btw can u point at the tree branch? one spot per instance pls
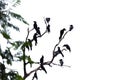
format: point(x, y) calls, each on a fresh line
point(57, 45)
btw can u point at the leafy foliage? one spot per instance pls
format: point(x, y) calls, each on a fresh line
point(5, 35)
point(6, 15)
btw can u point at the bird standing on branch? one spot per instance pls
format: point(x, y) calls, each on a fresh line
point(48, 28)
point(60, 52)
point(41, 64)
point(35, 25)
point(61, 62)
point(35, 38)
point(61, 33)
point(38, 31)
point(71, 27)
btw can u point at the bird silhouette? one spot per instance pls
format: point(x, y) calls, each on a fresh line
point(48, 20)
point(60, 52)
point(61, 62)
point(48, 28)
point(38, 31)
point(42, 59)
point(67, 46)
point(35, 38)
point(35, 25)
point(61, 33)
point(30, 43)
point(41, 64)
point(71, 27)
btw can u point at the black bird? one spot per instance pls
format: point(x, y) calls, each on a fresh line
point(47, 19)
point(48, 28)
point(41, 64)
point(71, 27)
point(67, 46)
point(61, 62)
point(35, 25)
point(42, 59)
point(38, 31)
point(35, 38)
point(30, 43)
point(60, 52)
point(61, 33)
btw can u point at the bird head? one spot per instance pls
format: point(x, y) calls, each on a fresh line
point(34, 21)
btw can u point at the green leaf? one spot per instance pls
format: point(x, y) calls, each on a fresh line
point(13, 75)
point(16, 44)
point(13, 26)
point(30, 61)
point(8, 56)
point(18, 17)
point(5, 35)
point(17, 2)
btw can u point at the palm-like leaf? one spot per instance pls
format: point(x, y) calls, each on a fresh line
point(18, 17)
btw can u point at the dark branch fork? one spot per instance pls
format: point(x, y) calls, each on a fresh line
point(45, 63)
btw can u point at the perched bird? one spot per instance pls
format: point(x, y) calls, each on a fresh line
point(71, 27)
point(48, 20)
point(61, 62)
point(61, 33)
point(35, 38)
point(48, 28)
point(30, 43)
point(38, 31)
point(67, 46)
point(42, 59)
point(41, 64)
point(35, 25)
point(60, 52)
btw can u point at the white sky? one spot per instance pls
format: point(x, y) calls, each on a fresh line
point(95, 40)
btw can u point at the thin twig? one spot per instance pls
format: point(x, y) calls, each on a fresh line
point(61, 66)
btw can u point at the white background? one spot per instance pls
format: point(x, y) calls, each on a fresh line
point(95, 40)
